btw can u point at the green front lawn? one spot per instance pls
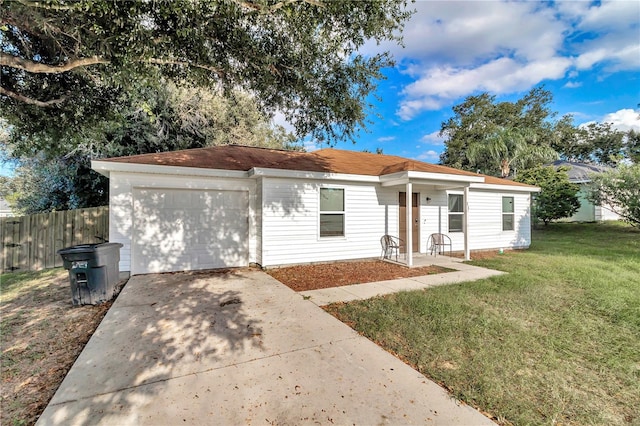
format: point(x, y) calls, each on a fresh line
point(556, 341)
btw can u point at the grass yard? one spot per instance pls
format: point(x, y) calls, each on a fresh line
point(556, 341)
point(42, 335)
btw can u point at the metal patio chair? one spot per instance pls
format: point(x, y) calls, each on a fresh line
point(438, 243)
point(390, 244)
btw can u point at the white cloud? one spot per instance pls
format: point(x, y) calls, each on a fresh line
point(279, 119)
point(430, 155)
point(439, 87)
point(572, 84)
point(433, 138)
point(457, 48)
point(461, 33)
point(311, 145)
point(610, 15)
point(624, 119)
point(386, 138)
point(579, 115)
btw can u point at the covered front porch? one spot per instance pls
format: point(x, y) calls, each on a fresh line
point(415, 244)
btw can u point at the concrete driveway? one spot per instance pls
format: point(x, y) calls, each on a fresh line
point(238, 348)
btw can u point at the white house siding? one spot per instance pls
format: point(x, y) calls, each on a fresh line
point(485, 221)
point(121, 187)
point(258, 220)
point(290, 224)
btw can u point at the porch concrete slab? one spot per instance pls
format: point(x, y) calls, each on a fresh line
point(181, 348)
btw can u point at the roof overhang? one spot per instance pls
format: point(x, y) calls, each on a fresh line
point(299, 174)
point(106, 167)
point(504, 188)
point(436, 179)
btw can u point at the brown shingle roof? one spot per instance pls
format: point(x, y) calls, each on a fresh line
point(245, 158)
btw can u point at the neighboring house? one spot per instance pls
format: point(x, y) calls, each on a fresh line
point(5, 210)
point(580, 173)
point(233, 205)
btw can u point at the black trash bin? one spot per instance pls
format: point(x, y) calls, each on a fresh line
point(93, 271)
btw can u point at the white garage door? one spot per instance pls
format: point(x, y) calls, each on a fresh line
point(180, 230)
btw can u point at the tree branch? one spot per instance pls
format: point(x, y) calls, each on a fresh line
point(39, 68)
point(27, 100)
point(158, 61)
point(46, 6)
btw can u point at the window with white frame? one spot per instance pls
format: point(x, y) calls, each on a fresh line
point(331, 212)
point(507, 213)
point(456, 212)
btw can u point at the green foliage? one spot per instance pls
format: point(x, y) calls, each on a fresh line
point(558, 197)
point(475, 135)
point(66, 64)
point(595, 143)
point(632, 147)
point(507, 148)
point(619, 190)
point(63, 183)
point(480, 119)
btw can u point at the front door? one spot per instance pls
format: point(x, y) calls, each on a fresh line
point(415, 214)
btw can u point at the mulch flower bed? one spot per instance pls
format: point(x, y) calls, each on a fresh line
point(326, 275)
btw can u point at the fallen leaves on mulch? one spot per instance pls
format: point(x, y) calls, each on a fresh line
point(42, 335)
point(326, 275)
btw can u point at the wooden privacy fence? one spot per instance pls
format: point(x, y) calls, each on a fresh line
point(30, 243)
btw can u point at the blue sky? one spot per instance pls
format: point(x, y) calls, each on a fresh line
point(586, 53)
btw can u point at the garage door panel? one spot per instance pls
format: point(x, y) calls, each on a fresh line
point(178, 230)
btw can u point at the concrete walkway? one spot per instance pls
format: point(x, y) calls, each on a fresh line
point(238, 348)
point(463, 272)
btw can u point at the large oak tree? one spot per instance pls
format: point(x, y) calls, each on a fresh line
point(66, 63)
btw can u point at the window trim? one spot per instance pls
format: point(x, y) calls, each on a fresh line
point(512, 213)
point(450, 213)
point(342, 212)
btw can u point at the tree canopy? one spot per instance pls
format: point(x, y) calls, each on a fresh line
point(492, 136)
point(480, 120)
point(509, 148)
point(593, 143)
point(558, 197)
point(619, 190)
point(65, 63)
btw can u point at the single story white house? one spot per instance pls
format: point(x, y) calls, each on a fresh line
point(580, 174)
point(235, 205)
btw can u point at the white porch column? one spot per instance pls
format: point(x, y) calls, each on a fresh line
point(465, 224)
point(409, 242)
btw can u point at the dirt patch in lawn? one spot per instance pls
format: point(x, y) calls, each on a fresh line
point(326, 275)
point(42, 335)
